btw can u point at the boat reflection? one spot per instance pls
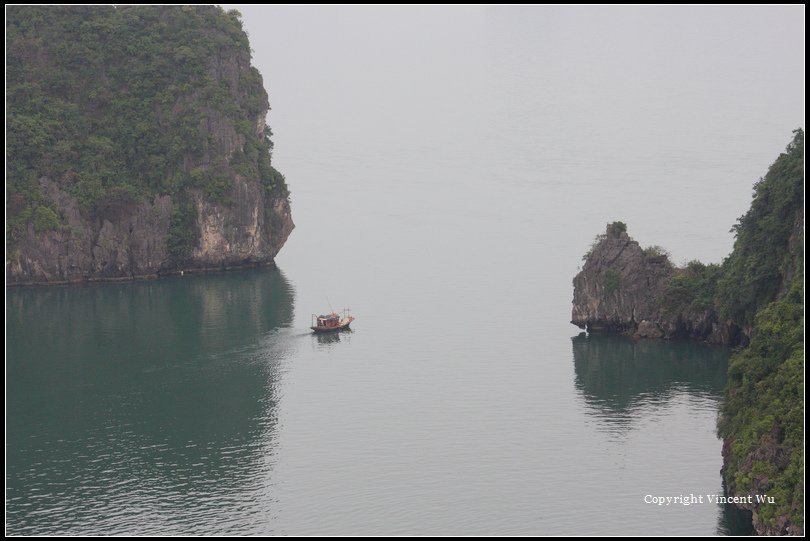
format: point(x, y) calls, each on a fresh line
point(331, 339)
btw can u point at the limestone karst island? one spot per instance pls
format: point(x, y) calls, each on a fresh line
point(753, 300)
point(136, 145)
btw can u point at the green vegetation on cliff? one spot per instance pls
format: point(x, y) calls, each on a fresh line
point(762, 283)
point(766, 251)
point(129, 101)
point(757, 269)
point(692, 289)
point(763, 416)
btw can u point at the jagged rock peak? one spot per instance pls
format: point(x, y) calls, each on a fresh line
point(622, 288)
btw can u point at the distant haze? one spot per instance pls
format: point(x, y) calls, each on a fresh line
point(703, 94)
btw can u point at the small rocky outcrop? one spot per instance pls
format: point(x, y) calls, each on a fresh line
point(619, 285)
point(623, 288)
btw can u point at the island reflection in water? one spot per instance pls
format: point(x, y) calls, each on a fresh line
point(143, 407)
point(621, 379)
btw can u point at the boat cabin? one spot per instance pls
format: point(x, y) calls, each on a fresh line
point(330, 321)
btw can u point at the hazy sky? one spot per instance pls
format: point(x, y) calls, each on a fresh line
point(642, 97)
point(677, 67)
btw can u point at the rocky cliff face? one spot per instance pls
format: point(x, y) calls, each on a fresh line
point(769, 450)
point(621, 288)
point(152, 156)
point(129, 239)
point(249, 231)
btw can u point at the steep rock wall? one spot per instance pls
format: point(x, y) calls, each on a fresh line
point(130, 240)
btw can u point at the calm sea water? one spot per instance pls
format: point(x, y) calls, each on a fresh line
point(448, 170)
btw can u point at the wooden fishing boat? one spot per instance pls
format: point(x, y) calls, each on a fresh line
point(331, 322)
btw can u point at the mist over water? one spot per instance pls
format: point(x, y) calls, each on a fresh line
point(449, 167)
